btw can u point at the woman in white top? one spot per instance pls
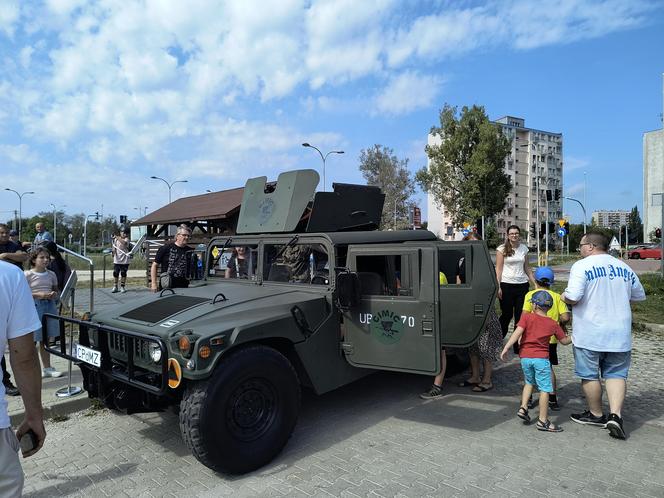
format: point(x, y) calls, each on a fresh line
point(44, 286)
point(514, 274)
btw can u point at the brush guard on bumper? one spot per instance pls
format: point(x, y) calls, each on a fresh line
point(118, 350)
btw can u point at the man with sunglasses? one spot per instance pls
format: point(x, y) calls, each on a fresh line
point(174, 261)
point(600, 289)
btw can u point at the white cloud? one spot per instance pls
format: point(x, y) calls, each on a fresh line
point(20, 154)
point(9, 15)
point(575, 163)
point(407, 92)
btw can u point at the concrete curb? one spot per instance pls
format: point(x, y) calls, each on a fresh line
point(652, 327)
point(63, 407)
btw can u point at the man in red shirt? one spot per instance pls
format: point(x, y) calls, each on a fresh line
point(535, 329)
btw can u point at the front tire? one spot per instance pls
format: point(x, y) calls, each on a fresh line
point(242, 417)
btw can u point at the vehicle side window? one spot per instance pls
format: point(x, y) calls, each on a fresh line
point(296, 263)
point(381, 275)
point(452, 267)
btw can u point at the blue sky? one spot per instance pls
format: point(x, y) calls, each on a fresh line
point(96, 97)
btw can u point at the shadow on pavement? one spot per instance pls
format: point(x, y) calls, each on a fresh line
point(71, 484)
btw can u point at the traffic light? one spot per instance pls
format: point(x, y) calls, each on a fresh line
point(549, 198)
point(542, 229)
point(552, 227)
point(533, 232)
point(556, 194)
point(658, 233)
point(567, 227)
point(123, 219)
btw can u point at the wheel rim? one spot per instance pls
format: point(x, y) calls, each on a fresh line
point(252, 409)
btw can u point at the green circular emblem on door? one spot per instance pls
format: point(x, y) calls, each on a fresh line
point(387, 327)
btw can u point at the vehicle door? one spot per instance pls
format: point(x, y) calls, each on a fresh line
point(464, 301)
point(392, 328)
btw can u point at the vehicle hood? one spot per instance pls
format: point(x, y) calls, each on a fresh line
point(232, 302)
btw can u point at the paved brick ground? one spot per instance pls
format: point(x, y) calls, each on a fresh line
point(377, 438)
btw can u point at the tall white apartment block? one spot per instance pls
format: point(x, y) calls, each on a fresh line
point(534, 165)
point(610, 219)
point(653, 176)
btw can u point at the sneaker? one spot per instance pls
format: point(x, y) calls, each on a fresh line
point(122, 290)
point(50, 372)
point(587, 418)
point(615, 426)
point(553, 405)
point(433, 393)
point(114, 289)
point(11, 389)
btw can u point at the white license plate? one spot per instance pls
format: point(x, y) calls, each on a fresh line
point(88, 355)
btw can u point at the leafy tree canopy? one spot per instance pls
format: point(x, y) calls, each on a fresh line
point(466, 171)
point(381, 168)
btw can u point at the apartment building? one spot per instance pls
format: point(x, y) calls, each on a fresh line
point(653, 177)
point(610, 219)
point(534, 165)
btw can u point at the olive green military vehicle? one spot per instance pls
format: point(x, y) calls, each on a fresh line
point(307, 293)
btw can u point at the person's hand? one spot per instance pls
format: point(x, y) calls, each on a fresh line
point(37, 425)
point(503, 353)
point(500, 294)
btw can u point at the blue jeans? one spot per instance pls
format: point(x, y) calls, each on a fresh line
point(589, 365)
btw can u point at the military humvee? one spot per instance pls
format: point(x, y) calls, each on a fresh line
point(320, 299)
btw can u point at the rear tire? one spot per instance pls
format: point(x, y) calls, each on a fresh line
point(242, 417)
point(636, 255)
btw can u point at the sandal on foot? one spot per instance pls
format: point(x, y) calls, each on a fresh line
point(523, 414)
point(467, 383)
point(547, 426)
point(480, 388)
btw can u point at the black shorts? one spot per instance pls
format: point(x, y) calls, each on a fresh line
point(553, 353)
point(120, 269)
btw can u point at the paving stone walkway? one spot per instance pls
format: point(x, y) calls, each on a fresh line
point(377, 438)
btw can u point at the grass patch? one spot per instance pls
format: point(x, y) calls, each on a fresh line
point(652, 309)
point(558, 259)
point(59, 418)
point(96, 406)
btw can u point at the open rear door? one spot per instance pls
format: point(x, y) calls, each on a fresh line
point(393, 328)
point(464, 302)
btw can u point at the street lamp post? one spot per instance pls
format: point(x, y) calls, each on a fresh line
point(584, 212)
point(20, 209)
point(169, 185)
point(323, 157)
point(55, 222)
point(85, 232)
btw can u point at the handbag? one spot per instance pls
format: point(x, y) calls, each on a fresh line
point(165, 280)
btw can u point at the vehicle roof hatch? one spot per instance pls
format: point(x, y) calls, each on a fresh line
point(276, 207)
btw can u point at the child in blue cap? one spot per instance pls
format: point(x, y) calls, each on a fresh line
point(534, 330)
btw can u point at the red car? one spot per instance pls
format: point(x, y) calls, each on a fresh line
point(644, 252)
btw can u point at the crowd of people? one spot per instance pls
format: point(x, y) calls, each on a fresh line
point(599, 292)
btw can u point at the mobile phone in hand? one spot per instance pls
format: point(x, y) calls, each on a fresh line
point(28, 441)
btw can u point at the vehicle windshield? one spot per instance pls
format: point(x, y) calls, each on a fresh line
point(296, 263)
point(237, 261)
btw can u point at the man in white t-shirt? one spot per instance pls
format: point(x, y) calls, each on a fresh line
point(18, 321)
point(600, 289)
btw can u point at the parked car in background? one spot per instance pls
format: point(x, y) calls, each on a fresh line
point(644, 252)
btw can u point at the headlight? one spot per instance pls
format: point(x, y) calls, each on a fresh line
point(155, 352)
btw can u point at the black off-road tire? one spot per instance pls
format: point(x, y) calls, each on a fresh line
point(242, 416)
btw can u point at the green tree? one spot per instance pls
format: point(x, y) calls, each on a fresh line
point(466, 171)
point(381, 168)
point(635, 226)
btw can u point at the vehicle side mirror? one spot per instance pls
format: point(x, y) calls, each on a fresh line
point(348, 290)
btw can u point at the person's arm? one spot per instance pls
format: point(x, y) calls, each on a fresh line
point(575, 285)
point(25, 366)
point(529, 270)
point(500, 262)
point(514, 338)
point(154, 285)
point(14, 257)
point(561, 336)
